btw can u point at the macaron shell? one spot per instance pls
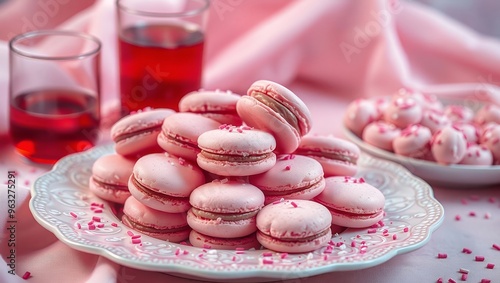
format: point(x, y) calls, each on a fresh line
point(287, 98)
point(293, 219)
point(260, 116)
point(109, 171)
point(292, 177)
point(168, 174)
point(159, 201)
point(293, 246)
point(203, 241)
point(227, 196)
point(142, 129)
point(217, 105)
point(180, 132)
point(136, 212)
point(222, 228)
point(337, 156)
point(352, 202)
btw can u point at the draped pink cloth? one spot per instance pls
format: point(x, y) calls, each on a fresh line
point(328, 52)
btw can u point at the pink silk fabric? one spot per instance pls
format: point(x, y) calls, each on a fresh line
point(329, 52)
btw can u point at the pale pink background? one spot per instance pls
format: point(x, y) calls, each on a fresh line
point(329, 52)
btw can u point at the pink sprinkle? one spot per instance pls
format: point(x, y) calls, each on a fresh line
point(73, 215)
point(484, 280)
point(90, 222)
point(372, 230)
point(205, 246)
point(487, 215)
point(185, 252)
point(91, 227)
point(466, 250)
point(405, 229)
point(442, 255)
point(98, 210)
point(464, 277)
point(267, 254)
point(101, 225)
point(479, 258)
point(136, 241)
point(472, 213)
point(464, 201)
point(283, 255)
point(440, 280)
point(233, 258)
point(114, 224)
point(353, 244)
point(96, 218)
point(79, 225)
point(26, 275)
point(496, 247)
point(136, 236)
point(288, 167)
point(457, 217)
point(325, 257)
point(177, 251)
point(361, 180)
point(490, 266)
point(130, 233)
point(27, 182)
point(294, 204)
point(267, 261)
point(394, 237)
point(451, 281)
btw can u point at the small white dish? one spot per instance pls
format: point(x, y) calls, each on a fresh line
point(456, 175)
point(412, 214)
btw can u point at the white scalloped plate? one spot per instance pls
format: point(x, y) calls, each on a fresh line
point(63, 191)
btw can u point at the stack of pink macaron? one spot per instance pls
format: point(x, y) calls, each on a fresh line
point(238, 172)
point(418, 125)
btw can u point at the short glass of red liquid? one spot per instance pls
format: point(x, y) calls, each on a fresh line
point(160, 51)
point(54, 88)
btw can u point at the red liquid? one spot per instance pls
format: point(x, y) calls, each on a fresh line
point(49, 124)
point(158, 65)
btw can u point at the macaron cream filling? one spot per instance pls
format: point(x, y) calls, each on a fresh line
point(339, 156)
point(110, 186)
point(223, 216)
point(281, 109)
point(176, 139)
point(144, 131)
point(141, 227)
point(275, 192)
point(235, 158)
point(153, 193)
point(302, 239)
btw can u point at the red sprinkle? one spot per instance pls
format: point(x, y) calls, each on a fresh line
point(26, 275)
point(484, 280)
point(114, 224)
point(440, 280)
point(283, 255)
point(490, 265)
point(496, 247)
point(451, 281)
point(353, 244)
point(372, 230)
point(479, 258)
point(100, 225)
point(294, 204)
point(96, 218)
point(136, 236)
point(205, 246)
point(457, 217)
point(472, 213)
point(79, 225)
point(91, 227)
point(466, 250)
point(130, 233)
point(394, 237)
point(98, 210)
point(74, 215)
point(405, 229)
point(136, 241)
point(267, 261)
point(267, 254)
point(464, 277)
point(442, 255)
point(288, 167)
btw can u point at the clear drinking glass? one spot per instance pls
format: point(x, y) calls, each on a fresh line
point(54, 93)
point(160, 51)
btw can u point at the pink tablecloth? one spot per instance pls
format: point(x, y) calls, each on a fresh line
point(329, 53)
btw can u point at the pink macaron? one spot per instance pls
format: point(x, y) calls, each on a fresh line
point(273, 108)
point(165, 226)
point(337, 156)
point(294, 226)
point(214, 104)
point(381, 134)
point(352, 202)
point(236, 151)
point(200, 240)
point(292, 177)
point(225, 208)
point(413, 141)
point(448, 145)
point(180, 132)
point(110, 174)
point(164, 182)
point(135, 135)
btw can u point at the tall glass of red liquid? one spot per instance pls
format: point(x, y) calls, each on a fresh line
point(160, 51)
point(54, 93)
